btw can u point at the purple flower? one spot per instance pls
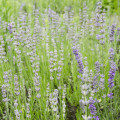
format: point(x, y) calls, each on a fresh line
point(92, 106)
point(111, 51)
point(97, 66)
point(75, 52)
point(102, 42)
point(98, 37)
point(112, 75)
point(79, 61)
point(110, 95)
point(10, 28)
point(96, 117)
point(101, 82)
point(111, 72)
point(112, 32)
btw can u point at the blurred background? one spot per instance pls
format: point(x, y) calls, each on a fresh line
point(10, 8)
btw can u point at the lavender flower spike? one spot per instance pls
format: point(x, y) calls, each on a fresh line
point(112, 33)
point(79, 61)
point(110, 95)
point(96, 117)
point(10, 27)
point(112, 75)
point(93, 108)
point(111, 51)
point(111, 72)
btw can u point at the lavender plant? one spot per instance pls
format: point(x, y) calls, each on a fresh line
point(55, 65)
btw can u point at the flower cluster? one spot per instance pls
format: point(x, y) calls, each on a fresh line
point(112, 75)
point(112, 33)
point(102, 31)
point(111, 72)
point(16, 84)
point(111, 51)
point(101, 82)
point(85, 87)
point(97, 14)
point(2, 50)
point(17, 113)
point(79, 61)
point(93, 108)
point(10, 26)
point(53, 99)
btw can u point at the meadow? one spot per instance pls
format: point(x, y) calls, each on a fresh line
point(59, 60)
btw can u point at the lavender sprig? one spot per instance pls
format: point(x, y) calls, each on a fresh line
point(111, 72)
point(93, 108)
point(112, 33)
point(79, 61)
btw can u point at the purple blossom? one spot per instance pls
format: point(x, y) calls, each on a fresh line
point(112, 32)
point(10, 28)
point(110, 95)
point(102, 42)
point(97, 66)
point(101, 82)
point(111, 72)
point(112, 75)
point(75, 51)
point(96, 117)
point(98, 37)
point(95, 82)
point(92, 106)
point(111, 51)
point(79, 61)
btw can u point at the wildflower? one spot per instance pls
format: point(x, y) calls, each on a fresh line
point(10, 26)
point(112, 75)
point(28, 110)
point(79, 61)
point(93, 108)
point(17, 114)
point(110, 95)
point(96, 117)
point(16, 84)
point(53, 99)
point(112, 32)
point(101, 82)
point(97, 67)
point(111, 51)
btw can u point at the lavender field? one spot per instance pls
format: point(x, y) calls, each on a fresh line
point(58, 61)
